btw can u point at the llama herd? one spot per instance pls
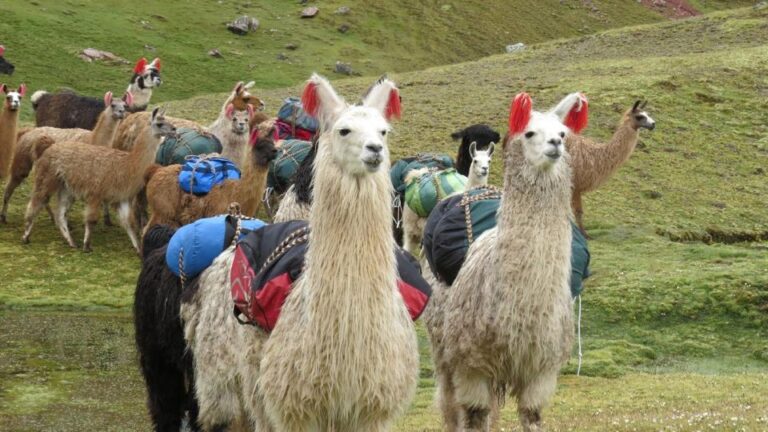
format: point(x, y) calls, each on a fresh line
point(343, 355)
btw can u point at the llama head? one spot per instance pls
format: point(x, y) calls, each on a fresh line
point(239, 118)
point(146, 75)
point(117, 107)
point(242, 97)
point(5, 66)
point(13, 97)
point(541, 134)
point(481, 159)
point(159, 126)
point(356, 135)
point(639, 118)
point(264, 148)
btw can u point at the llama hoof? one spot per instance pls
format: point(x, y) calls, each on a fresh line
point(87, 248)
point(25, 240)
point(108, 222)
point(3, 220)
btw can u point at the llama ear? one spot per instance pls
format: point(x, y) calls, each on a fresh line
point(155, 64)
point(491, 146)
point(155, 113)
point(107, 98)
point(4, 88)
point(128, 98)
point(458, 135)
point(642, 107)
point(520, 113)
point(2, 50)
point(473, 149)
point(238, 87)
point(573, 111)
point(22, 89)
point(320, 100)
point(250, 109)
point(230, 111)
point(249, 84)
point(385, 97)
point(140, 65)
point(636, 105)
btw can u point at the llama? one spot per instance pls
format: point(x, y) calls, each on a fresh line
point(9, 123)
point(481, 134)
point(233, 131)
point(32, 143)
point(170, 205)
point(594, 162)
point(95, 174)
point(69, 110)
point(413, 224)
point(506, 325)
point(358, 369)
point(6, 67)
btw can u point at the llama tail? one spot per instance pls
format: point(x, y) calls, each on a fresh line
point(156, 237)
point(36, 96)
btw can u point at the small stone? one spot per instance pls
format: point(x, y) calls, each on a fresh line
point(291, 46)
point(515, 47)
point(91, 54)
point(215, 53)
point(344, 28)
point(652, 194)
point(759, 171)
point(343, 68)
point(282, 56)
point(344, 10)
point(243, 25)
point(310, 12)
point(150, 48)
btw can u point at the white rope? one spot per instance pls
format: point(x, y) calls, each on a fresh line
point(578, 333)
point(398, 206)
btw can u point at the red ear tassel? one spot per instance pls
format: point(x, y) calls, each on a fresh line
point(578, 117)
point(394, 108)
point(2, 50)
point(519, 113)
point(309, 99)
point(140, 65)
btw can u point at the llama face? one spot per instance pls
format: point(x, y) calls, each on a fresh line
point(359, 144)
point(13, 98)
point(543, 139)
point(640, 118)
point(240, 122)
point(481, 159)
point(160, 127)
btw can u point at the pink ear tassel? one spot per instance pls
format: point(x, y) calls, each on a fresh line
point(230, 111)
point(22, 89)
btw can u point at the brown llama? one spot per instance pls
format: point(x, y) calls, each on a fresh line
point(343, 355)
point(595, 162)
point(94, 174)
point(9, 123)
point(170, 205)
point(33, 142)
point(506, 325)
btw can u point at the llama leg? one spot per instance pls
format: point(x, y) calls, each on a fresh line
point(578, 212)
point(532, 398)
point(447, 400)
point(91, 217)
point(166, 391)
point(33, 208)
point(65, 200)
point(473, 395)
point(107, 217)
point(13, 183)
point(124, 215)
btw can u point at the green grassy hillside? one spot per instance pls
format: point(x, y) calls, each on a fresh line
point(43, 37)
point(675, 316)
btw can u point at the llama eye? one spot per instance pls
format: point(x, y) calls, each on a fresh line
point(383, 133)
point(344, 132)
point(562, 134)
point(529, 134)
point(639, 118)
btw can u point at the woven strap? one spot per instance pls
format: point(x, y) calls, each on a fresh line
point(466, 200)
point(299, 236)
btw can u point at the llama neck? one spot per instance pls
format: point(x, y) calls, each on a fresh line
point(141, 96)
point(142, 155)
point(613, 154)
point(350, 258)
point(533, 217)
point(248, 187)
point(105, 129)
point(8, 126)
point(233, 145)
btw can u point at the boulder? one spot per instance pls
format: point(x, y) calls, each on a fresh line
point(243, 25)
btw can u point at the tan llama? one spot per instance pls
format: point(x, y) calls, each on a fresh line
point(94, 174)
point(9, 123)
point(505, 325)
point(594, 163)
point(343, 355)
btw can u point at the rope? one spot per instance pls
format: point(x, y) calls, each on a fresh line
point(397, 204)
point(266, 200)
point(578, 333)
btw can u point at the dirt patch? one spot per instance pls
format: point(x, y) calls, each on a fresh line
point(675, 9)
